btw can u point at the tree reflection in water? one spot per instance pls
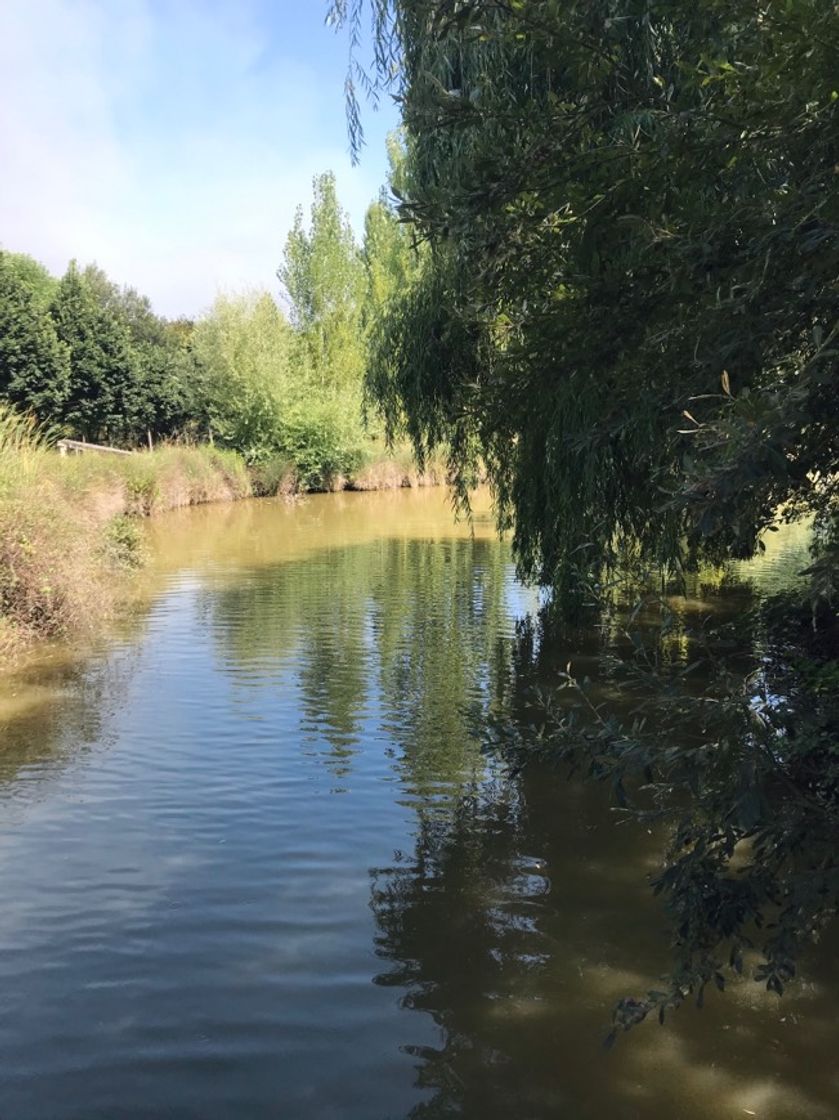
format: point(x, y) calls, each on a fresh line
point(522, 914)
point(517, 911)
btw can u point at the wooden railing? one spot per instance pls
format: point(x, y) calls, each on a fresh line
point(77, 446)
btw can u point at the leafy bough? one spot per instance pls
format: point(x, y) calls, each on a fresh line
point(741, 775)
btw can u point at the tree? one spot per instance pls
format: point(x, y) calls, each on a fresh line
point(245, 347)
point(628, 312)
point(391, 257)
point(387, 256)
point(37, 278)
point(102, 397)
point(632, 212)
point(323, 276)
point(34, 365)
point(168, 397)
point(171, 386)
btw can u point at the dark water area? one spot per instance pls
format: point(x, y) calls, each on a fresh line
point(255, 860)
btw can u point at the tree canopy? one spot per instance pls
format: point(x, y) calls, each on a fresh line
point(34, 365)
point(323, 275)
point(101, 402)
point(91, 359)
point(627, 311)
point(629, 308)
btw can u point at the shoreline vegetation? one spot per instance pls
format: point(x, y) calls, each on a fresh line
point(261, 394)
point(70, 526)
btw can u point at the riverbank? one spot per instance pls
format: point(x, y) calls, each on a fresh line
point(69, 526)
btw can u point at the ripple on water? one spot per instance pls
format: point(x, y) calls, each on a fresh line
point(243, 843)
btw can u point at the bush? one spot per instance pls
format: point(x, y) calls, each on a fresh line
point(123, 542)
point(325, 441)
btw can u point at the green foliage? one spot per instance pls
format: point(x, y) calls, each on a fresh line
point(391, 258)
point(265, 399)
point(323, 275)
point(169, 394)
point(386, 256)
point(142, 490)
point(172, 389)
point(34, 275)
point(94, 360)
point(420, 353)
point(247, 351)
point(102, 401)
point(628, 311)
point(624, 204)
point(322, 436)
point(336, 294)
point(34, 365)
point(123, 542)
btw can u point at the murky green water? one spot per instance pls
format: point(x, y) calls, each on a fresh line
point(254, 862)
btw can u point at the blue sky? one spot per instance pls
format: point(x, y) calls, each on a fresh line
point(171, 140)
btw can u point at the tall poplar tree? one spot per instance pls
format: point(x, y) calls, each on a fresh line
point(391, 256)
point(323, 275)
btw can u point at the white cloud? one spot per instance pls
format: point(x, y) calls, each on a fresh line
point(170, 143)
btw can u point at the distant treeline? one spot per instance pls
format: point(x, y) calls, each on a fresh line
point(91, 360)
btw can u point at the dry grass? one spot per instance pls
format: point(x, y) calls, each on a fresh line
point(276, 478)
point(66, 530)
point(51, 579)
point(396, 469)
point(150, 482)
point(383, 469)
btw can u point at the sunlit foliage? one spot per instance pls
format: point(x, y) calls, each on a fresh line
point(323, 275)
point(632, 211)
point(628, 312)
point(34, 365)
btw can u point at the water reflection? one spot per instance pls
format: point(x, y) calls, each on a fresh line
point(415, 632)
point(516, 922)
point(55, 709)
point(289, 880)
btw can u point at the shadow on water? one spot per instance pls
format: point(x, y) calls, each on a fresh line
point(295, 882)
point(516, 922)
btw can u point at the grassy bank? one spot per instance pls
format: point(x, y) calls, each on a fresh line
point(69, 529)
point(391, 468)
point(68, 526)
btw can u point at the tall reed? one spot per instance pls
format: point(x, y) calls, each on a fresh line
point(23, 450)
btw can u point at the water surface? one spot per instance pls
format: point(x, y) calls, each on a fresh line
point(255, 861)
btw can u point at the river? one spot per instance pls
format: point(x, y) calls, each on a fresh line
point(255, 861)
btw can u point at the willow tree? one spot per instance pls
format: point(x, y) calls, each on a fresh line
point(630, 307)
point(629, 311)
